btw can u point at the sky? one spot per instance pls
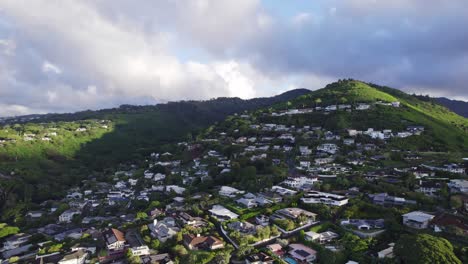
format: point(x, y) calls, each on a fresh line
point(72, 55)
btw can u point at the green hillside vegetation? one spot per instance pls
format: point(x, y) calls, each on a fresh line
point(445, 130)
point(38, 170)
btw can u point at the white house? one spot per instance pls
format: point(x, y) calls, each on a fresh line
point(140, 251)
point(458, 186)
point(77, 257)
point(222, 213)
point(417, 219)
point(67, 216)
point(298, 182)
point(386, 253)
point(16, 241)
point(229, 191)
point(321, 237)
point(362, 107)
point(328, 147)
point(115, 239)
point(314, 197)
point(175, 188)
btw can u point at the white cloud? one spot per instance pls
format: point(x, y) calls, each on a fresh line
point(49, 67)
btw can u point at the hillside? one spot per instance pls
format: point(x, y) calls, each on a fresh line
point(36, 162)
point(446, 131)
point(133, 132)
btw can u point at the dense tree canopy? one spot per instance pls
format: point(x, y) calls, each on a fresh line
point(424, 248)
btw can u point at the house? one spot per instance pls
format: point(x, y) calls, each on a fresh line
point(16, 241)
point(192, 221)
point(277, 249)
point(77, 257)
point(302, 253)
point(300, 181)
point(115, 239)
point(323, 237)
point(429, 188)
point(35, 214)
point(259, 258)
point(229, 191)
point(221, 213)
point(198, 242)
point(294, 213)
point(364, 224)
point(262, 220)
point(67, 216)
point(385, 199)
point(140, 251)
point(283, 191)
point(305, 151)
point(386, 253)
point(328, 148)
point(348, 141)
point(362, 107)
point(313, 197)
point(164, 229)
point(458, 186)
point(248, 203)
point(417, 219)
point(242, 227)
point(157, 259)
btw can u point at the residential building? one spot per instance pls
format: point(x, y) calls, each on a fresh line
point(321, 238)
point(328, 148)
point(458, 186)
point(16, 241)
point(222, 213)
point(324, 198)
point(77, 257)
point(417, 219)
point(164, 229)
point(302, 253)
point(115, 239)
point(198, 242)
point(140, 251)
point(67, 216)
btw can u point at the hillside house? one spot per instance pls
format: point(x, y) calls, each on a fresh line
point(328, 148)
point(222, 213)
point(115, 239)
point(314, 197)
point(164, 229)
point(417, 219)
point(67, 216)
point(301, 253)
point(198, 242)
point(458, 186)
point(77, 257)
point(321, 238)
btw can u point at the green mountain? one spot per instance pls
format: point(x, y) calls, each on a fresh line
point(444, 130)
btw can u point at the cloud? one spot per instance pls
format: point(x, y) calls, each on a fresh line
point(58, 56)
point(49, 67)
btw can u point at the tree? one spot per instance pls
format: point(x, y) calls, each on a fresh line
point(6, 230)
point(456, 202)
point(141, 215)
point(425, 248)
